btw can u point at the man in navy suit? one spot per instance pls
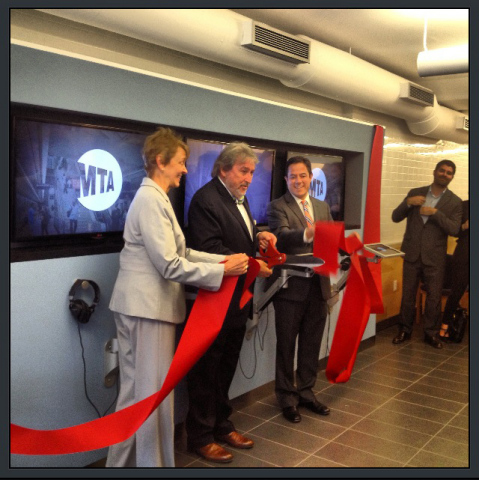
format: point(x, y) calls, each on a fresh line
point(300, 309)
point(220, 221)
point(433, 213)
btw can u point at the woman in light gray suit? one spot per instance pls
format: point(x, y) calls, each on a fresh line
point(148, 298)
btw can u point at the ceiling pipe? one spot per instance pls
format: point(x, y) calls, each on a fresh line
point(443, 61)
point(216, 34)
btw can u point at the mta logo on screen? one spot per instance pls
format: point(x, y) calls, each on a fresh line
point(100, 180)
point(318, 186)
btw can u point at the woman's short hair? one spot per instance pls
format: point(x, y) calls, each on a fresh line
point(230, 154)
point(164, 142)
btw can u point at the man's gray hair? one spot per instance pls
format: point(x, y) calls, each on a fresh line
point(235, 151)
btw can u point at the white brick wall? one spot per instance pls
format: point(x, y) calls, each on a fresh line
point(406, 166)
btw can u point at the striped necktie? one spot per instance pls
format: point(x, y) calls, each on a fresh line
point(307, 215)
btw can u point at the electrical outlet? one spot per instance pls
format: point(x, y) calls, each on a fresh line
point(395, 285)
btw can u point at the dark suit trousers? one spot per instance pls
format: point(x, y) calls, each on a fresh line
point(305, 320)
point(433, 279)
point(208, 384)
point(459, 283)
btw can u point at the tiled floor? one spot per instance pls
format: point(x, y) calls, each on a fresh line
point(404, 406)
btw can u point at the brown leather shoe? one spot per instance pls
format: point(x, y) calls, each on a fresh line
point(215, 453)
point(236, 440)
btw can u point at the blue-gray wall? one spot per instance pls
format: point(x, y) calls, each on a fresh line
point(46, 365)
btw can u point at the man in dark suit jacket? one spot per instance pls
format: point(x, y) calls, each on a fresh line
point(433, 213)
point(220, 221)
point(301, 308)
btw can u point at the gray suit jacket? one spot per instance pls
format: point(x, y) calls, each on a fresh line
point(155, 263)
point(287, 222)
point(428, 241)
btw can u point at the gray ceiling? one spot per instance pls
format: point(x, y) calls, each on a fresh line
point(388, 38)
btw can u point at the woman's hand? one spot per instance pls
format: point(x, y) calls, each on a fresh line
point(236, 264)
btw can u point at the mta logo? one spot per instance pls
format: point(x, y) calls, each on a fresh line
point(101, 180)
point(319, 185)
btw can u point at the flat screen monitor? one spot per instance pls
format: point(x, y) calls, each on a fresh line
point(328, 180)
point(71, 179)
point(203, 154)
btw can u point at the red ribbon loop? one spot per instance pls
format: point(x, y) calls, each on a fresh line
point(361, 297)
point(204, 323)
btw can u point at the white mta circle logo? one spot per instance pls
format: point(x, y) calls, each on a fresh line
point(319, 185)
point(100, 180)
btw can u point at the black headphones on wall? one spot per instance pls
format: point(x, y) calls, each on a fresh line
point(79, 308)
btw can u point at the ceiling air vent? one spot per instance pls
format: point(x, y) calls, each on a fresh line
point(275, 43)
point(462, 123)
point(416, 94)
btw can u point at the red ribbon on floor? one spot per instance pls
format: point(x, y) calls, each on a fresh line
point(204, 323)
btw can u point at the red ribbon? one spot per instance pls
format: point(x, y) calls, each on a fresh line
point(204, 323)
point(363, 293)
point(356, 305)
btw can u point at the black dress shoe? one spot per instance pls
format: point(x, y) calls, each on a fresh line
point(401, 337)
point(433, 341)
point(316, 407)
point(291, 414)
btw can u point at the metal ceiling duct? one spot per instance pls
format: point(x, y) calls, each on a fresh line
point(443, 61)
point(217, 35)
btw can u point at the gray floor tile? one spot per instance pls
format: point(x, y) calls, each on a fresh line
point(458, 377)
point(448, 383)
point(381, 379)
point(404, 364)
point(439, 392)
point(429, 401)
point(460, 421)
point(353, 457)
point(430, 460)
point(317, 462)
point(182, 459)
point(336, 417)
point(367, 386)
point(419, 357)
point(419, 411)
point(458, 361)
point(378, 446)
point(455, 434)
point(312, 425)
point(448, 448)
point(346, 405)
point(403, 420)
point(275, 453)
point(244, 422)
point(343, 391)
point(241, 459)
point(463, 370)
point(261, 410)
point(397, 434)
point(393, 372)
point(293, 438)
point(404, 406)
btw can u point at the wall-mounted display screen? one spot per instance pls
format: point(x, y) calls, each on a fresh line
point(328, 181)
point(72, 179)
point(203, 154)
